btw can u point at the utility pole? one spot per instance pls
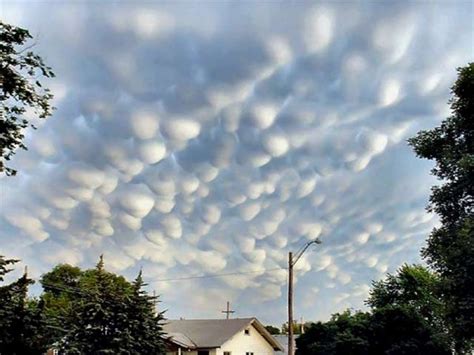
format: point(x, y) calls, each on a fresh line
point(228, 312)
point(291, 351)
point(291, 263)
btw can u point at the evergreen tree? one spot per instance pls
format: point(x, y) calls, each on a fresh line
point(4, 266)
point(145, 322)
point(96, 324)
point(107, 314)
point(20, 319)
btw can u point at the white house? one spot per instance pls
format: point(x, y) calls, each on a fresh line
point(240, 336)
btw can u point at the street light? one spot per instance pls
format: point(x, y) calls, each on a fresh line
point(291, 263)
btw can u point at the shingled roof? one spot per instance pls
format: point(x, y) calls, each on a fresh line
point(212, 333)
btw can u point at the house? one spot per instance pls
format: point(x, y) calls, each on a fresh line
point(283, 340)
point(240, 336)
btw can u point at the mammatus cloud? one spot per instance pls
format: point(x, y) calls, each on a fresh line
point(194, 140)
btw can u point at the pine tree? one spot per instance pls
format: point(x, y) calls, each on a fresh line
point(4, 266)
point(97, 319)
point(100, 312)
point(20, 319)
point(145, 322)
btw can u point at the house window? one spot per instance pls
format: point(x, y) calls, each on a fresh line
point(203, 352)
point(247, 331)
point(248, 353)
point(227, 353)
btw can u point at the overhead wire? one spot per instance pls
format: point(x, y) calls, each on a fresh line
point(217, 275)
point(72, 289)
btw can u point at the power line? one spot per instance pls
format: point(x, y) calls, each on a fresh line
point(217, 275)
point(78, 290)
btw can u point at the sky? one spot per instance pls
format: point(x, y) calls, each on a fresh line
point(199, 138)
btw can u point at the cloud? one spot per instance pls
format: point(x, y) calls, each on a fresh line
point(319, 28)
point(181, 129)
point(193, 140)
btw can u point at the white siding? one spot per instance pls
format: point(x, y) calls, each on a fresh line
point(241, 343)
point(192, 352)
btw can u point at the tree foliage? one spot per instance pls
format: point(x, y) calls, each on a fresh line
point(404, 319)
point(4, 266)
point(145, 324)
point(20, 320)
point(344, 333)
point(450, 248)
point(20, 90)
point(412, 286)
point(98, 312)
point(273, 330)
point(79, 312)
point(297, 327)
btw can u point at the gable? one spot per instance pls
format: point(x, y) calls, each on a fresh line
point(214, 333)
point(254, 341)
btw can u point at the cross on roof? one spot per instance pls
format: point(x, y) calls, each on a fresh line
point(228, 312)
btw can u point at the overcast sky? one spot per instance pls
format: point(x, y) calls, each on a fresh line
point(195, 139)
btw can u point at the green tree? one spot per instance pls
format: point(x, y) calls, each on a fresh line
point(20, 319)
point(450, 248)
point(405, 318)
point(98, 312)
point(97, 318)
point(401, 329)
point(60, 286)
point(145, 323)
point(20, 90)
point(344, 333)
point(64, 286)
point(296, 327)
point(388, 330)
point(412, 286)
point(62, 276)
point(273, 330)
point(4, 266)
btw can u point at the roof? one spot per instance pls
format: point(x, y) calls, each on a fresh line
point(181, 340)
point(283, 339)
point(212, 333)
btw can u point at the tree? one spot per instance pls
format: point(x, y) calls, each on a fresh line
point(405, 318)
point(62, 275)
point(4, 266)
point(98, 312)
point(344, 333)
point(402, 330)
point(145, 323)
point(273, 330)
point(20, 319)
point(388, 330)
point(20, 90)
point(450, 248)
point(412, 286)
point(296, 327)
point(95, 323)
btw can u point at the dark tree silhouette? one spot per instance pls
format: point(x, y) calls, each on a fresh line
point(450, 248)
point(20, 90)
